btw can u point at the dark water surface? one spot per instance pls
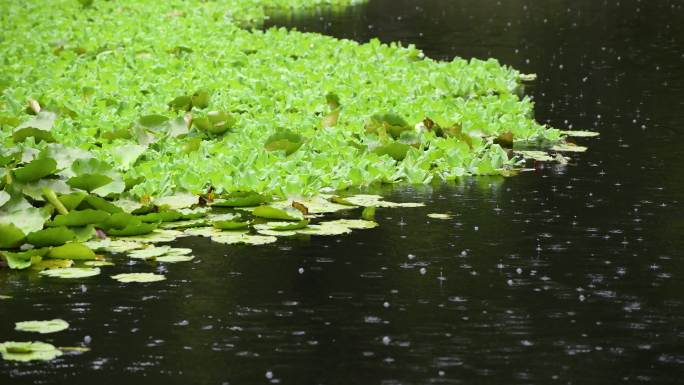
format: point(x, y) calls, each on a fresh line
point(566, 275)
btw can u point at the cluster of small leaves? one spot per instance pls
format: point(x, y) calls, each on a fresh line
point(178, 97)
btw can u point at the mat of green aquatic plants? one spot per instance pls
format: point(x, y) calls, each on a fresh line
point(129, 123)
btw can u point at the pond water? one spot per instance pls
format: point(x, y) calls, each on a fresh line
point(568, 274)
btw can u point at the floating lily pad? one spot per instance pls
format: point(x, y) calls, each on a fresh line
point(352, 223)
point(316, 205)
point(72, 272)
point(240, 199)
point(569, 147)
point(161, 216)
point(376, 201)
point(325, 228)
point(180, 225)
point(541, 156)
point(206, 232)
point(98, 263)
point(177, 201)
point(581, 134)
point(135, 230)
point(157, 236)
point(215, 122)
point(28, 351)
point(24, 259)
point(42, 327)
point(114, 246)
point(175, 258)
point(231, 225)
point(138, 277)
point(46, 264)
point(270, 212)
point(233, 238)
point(439, 216)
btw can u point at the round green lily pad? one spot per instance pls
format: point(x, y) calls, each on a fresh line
point(43, 327)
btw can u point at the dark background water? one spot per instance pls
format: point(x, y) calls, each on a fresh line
point(570, 274)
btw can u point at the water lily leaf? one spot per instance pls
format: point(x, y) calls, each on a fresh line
point(184, 224)
point(581, 134)
point(395, 150)
point(240, 199)
point(208, 232)
point(200, 99)
point(155, 236)
point(340, 201)
point(231, 225)
point(175, 258)
point(98, 263)
point(280, 226)
point(439, 216)
point(368, 213)
point(80, 218)
point(75, 251)
point(125, 156)
point(177, 201)
point(102, 204)
point(158, 251)
point(196, 213)
point(390, 123)
point(284, 140)
point(269, 212)
point(232, 238)
point(4, 198)
point(42, 327)
point(36, 190)
point(376, 200)
point(113, 245)
point(46, 264)
point(568, 147)
point(325, 228)
point(10, 236)
point(53, 236)
point(72, 200)
point(216, 122)
point(28, 351)
point(89, 182)
point(71, 272)
point(162, 216)
point(179, 126)
point(20, 213)
point(24, 259)
point(315, 205)
point(38, 127)
point(154, 122)
point(138, 277)
point(353, 223)
point(38, 168)
point(133, 229)
point(181, 103)
point(540, 156)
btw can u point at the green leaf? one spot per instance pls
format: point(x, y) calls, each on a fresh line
point(269, 212)
point(71, 272)
point(4, 198)
point(162, 216)
point(240, 199)
point(102, 204)
point(37, 169)
point(181, 103)
point(75, 251)
point(79, 218)
point(24, 259)
point(28, 351)
point(39, 127)
point(133, 230)
point(138, 277)
point(284, 140)
point(200, 99)
point(396, 150)
point(10, 236)
point(18, 212)
point(230, 225)
point(42, 327)
point(73, 200)
point(89, 182)
point(368, 213)
point(216, 122)
point(53, 236)
point(125, 156)
point(177, 201)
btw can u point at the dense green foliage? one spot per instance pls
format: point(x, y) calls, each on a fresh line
point(116, 116)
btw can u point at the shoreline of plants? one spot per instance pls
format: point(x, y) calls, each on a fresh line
point(115, 128)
